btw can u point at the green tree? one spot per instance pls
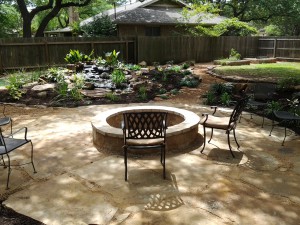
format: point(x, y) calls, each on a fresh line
point(101, 26)
point(51, 7)
point(228, 27)
point(9, 20)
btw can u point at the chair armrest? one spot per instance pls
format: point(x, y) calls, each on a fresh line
point(206, 116)
point(214, 108)
point(25, 132)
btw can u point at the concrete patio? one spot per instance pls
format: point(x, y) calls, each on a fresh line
point(77, 184)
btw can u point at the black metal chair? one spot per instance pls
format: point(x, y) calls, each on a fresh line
point(227, 123)
point(145, 130)
point(286, 118)
point(10, 143)
point(260, 94)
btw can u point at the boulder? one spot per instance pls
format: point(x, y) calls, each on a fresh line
point(143, 64)
point(43, 87)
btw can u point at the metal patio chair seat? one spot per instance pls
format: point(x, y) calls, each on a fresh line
point(10, 143)
point(145, 130)
point(285, 118)
point(227, 123)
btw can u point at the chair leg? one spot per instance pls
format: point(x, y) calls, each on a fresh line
point(272, 128)
point(125, 162)
point(284, 136)
point(4, 165)
point(235, 139)
point(204, 141)
point(212, 132)
point(228, 139)
point(8, 172)
point(164, 162)
point(32, 157)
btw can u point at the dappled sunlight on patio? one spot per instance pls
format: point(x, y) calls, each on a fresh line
point(77, 184)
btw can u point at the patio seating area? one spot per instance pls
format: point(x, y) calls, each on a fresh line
point(77, 184)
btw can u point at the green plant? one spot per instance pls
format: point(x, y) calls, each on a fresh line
point(220, 88)
point(133, 67)
point(175, 69)
point(185, 66)
point(164, 96)
point(112, 97)
point(111, 58)
point(15, 82)
point(53, 74)
point(162, 91)
point(35, 75)
point(100, 26)
point(189, 82)
point(142, 93)
point(234, 54)
point(174, 91)
point(288, 82)
point(225, 98)
point(210, 98)
point(273, 106)
point(87, 58)
point(74, 56)
point(118, 77)
point(186, 72)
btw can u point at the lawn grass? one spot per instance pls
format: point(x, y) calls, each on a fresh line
point(3, 82)
point(271, 70)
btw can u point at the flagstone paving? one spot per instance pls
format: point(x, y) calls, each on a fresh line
point(77, 184)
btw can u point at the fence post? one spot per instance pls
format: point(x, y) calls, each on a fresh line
point(1, 65)
point(274, 48)
point(47, 52)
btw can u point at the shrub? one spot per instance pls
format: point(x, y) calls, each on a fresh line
point(210, 98)
point(15, 83)
point(288, 82)
point(225, 99)
point(101, 26)
point(189, 82)
point(234, 54)
point(220, 88)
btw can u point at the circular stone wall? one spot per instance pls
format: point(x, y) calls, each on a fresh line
point(182, 129)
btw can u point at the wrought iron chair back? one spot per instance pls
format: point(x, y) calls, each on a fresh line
point(145, 130)
point(238, 109)
point(145, 125)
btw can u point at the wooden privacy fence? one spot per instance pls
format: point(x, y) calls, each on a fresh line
point(199, 49)
point(44, 52)
point(280, 47)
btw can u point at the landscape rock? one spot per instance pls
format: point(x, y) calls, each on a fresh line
point(43, 87)
point(143, 64)
point(96, 93)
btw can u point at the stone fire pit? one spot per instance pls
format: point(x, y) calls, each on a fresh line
point(182, 129)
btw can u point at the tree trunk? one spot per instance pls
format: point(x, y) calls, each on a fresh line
point(46, 20)
point(26, 26)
